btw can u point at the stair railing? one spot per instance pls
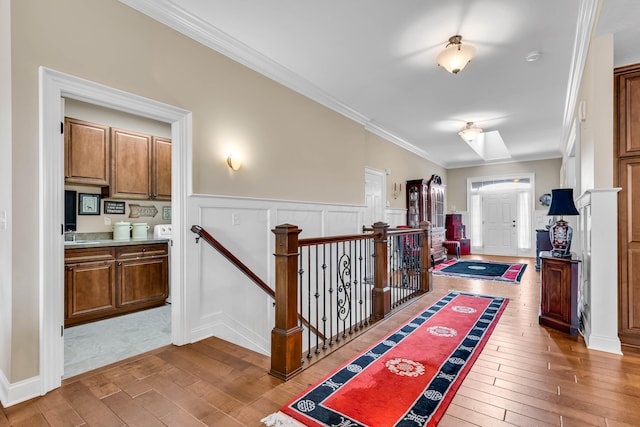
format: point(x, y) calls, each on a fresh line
point(335, 286)
point(341, 284)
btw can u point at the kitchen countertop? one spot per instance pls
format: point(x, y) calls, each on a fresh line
point(97, 243)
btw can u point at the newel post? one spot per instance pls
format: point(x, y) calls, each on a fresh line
point(381, 291)
point(425, 257)
point(286, 336)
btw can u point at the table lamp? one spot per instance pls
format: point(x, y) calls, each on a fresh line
point(561, 232)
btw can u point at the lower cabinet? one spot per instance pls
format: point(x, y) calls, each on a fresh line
point(143, 275)
point(90, 276)
point(559, 293)
point(108, 281)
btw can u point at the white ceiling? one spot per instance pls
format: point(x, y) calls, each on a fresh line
point(374, 61)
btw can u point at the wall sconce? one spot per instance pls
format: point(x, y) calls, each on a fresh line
point(397, 189)
point(234, 161)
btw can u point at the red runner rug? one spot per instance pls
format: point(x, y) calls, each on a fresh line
point(408, 378)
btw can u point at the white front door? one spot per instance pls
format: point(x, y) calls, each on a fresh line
point(374, 196)
point(499, 226)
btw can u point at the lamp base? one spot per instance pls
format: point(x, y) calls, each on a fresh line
point(560, 235)
point(560, 254)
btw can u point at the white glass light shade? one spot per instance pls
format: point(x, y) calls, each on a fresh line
point(470, 132)
point(234, 161)
point(455, 57)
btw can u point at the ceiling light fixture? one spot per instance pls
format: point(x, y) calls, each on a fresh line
point(533, 56)
point(455, 55)
point(469, 132)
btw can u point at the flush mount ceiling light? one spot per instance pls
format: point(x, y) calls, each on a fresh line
point(533, 56)
point(469, 132)
point(455, 55)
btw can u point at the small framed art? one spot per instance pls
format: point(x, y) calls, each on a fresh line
point(88, 204)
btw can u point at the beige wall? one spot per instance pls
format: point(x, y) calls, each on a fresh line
point(5, 190)
point(596, 131)
point(404, 166)
point(547, 177)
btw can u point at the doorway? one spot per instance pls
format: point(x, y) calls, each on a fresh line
point(374, 196)
point(501, 211)
point(94, 344)
point(54, 86)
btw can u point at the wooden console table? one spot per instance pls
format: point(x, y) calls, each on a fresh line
point(559, 293)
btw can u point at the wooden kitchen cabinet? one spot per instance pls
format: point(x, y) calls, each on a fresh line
point(89, 285)
point(130, 164)
point(86, 153)
point(141, 166)
point(109, 281)
point(143, 275)
point(161, 169)
point(559, 293)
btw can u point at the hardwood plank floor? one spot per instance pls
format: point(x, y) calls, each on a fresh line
point(527, 375)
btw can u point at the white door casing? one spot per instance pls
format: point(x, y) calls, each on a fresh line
point(54, 86)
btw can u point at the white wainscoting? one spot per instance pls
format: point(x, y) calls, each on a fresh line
point(223, 301)
point(396, 216)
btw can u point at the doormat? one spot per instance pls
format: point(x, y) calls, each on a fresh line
point(485, 270)
point(406, 379)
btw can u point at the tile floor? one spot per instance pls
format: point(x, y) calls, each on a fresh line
point(96, 344)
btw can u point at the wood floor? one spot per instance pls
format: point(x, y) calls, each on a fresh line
point(527, 375)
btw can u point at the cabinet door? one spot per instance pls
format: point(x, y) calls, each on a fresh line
point(130, 164)
point(89, 289)
point(628, 103)
point(629, 241)
point(161, 182)
point(143, 281)
point(556, 290)
point(86, 153)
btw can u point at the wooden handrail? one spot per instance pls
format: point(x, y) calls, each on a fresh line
point(246, 270)
point(235, 261)
point(312, 241)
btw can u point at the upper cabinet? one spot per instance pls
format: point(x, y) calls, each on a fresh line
point(86, 153)
point(131, 165)
point(161, 169)
point(627, 81)
point(127, 164)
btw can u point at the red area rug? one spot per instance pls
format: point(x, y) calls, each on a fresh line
point(408, 378)
point(485, 270)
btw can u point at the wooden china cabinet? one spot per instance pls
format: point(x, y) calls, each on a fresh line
point(425, 202)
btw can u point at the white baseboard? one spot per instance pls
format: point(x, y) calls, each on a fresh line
point(221, 326)
point(13, 393)
point(610, 345)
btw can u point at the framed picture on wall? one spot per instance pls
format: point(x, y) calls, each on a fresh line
point(88, 204)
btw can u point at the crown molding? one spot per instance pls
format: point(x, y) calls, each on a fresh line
point(383, 133)
point(175, 17)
